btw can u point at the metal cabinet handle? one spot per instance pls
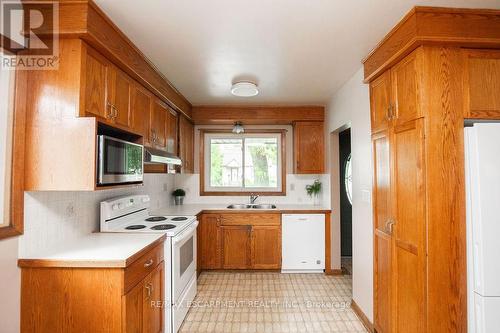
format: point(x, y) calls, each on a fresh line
point(389, 226)
point(149, 289)
point(109, 114)
point(149, 263)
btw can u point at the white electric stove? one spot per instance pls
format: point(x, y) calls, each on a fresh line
point(131, 214)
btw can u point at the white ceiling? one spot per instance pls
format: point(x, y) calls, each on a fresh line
point(298, 51)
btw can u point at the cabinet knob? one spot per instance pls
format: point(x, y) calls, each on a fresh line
point(149, 263)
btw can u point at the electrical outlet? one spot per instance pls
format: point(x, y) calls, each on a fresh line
point(292, 186)
point(165, 187)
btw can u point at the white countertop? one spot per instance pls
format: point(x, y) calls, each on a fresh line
point(95, 250)
point(195, 209)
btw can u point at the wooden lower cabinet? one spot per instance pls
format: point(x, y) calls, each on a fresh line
point(209, 235)
point(95, 299)
point(266, 247)
point(240, 241)
point(236, 246)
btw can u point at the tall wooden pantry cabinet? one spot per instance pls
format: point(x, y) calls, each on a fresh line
point(426, 78)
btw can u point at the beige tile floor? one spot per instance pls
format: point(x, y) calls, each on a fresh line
point(346, 263)
point(272, 302)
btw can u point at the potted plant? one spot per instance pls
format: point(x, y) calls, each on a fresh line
point(313, 190)
point(179, 195)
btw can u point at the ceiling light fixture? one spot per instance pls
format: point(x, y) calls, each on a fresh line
point(244, 89)
point(238, 128)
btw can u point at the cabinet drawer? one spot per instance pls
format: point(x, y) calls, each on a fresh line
point(250, 219)
point(140, 268)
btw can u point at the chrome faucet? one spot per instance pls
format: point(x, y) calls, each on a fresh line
point(253, 197)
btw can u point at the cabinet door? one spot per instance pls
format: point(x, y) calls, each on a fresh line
point(120, 89)
point(141, 113)
point(159, 125)
point(236, 247)
point(186, 144)
point(382, 276)
point(153, 297)
point(133, 302)
point(96, 76)
point(309, 147)
point(409, 251)
point(171, 136)
point(405, 88)
point(211, 246)
point(380, 102)
point(482, 84)
point(266, 247)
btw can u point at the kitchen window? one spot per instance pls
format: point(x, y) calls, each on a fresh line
point(240, 164)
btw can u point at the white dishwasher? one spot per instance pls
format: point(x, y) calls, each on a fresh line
point(303, 243)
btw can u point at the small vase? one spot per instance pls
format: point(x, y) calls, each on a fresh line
point(316, 200)
point(178, 201)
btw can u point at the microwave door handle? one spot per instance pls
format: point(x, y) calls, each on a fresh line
point(185, 234)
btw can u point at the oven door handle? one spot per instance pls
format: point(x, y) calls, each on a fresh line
point(185, 234)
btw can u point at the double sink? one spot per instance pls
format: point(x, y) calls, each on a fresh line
point(248, 206)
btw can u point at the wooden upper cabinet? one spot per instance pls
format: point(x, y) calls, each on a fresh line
point(107, 91)
point(309, 147)
point(186, 144)
point(394, 96)
point(266, 247)
point(119, 97)
point(96, 71)
point(159, 124)
point(483, 82)
point(236, 246)
point(406, 88)
point(380, 101)
point(171, 131)
point(142, 102)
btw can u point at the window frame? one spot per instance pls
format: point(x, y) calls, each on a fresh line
point(226, 191)
point(15, 225)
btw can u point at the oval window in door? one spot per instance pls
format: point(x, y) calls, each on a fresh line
point(348, 178)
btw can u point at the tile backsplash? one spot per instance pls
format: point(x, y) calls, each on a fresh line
point(295, 191)
point(54, 218)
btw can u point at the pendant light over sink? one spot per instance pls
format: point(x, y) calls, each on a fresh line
point(244, 89)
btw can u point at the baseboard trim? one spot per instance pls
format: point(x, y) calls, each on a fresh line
point(334, 272)
point(364, 319)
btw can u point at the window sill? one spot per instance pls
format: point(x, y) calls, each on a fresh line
point(217, 193)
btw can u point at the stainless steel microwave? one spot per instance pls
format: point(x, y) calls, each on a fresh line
point(119, 161)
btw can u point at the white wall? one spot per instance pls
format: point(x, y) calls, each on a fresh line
point(9, 273)
point(10, 286)
point(351, 105)
point(295, 184)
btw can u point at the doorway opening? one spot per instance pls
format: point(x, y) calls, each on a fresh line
point(345, 175)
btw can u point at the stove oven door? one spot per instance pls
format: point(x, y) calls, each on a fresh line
point(183, 260)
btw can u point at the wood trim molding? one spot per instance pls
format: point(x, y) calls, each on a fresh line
point(256, 115)
point(16, 226)
point(328, 244)
point(84, 19)
point(476, 28)
point(361, 315)
point(202, 163)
